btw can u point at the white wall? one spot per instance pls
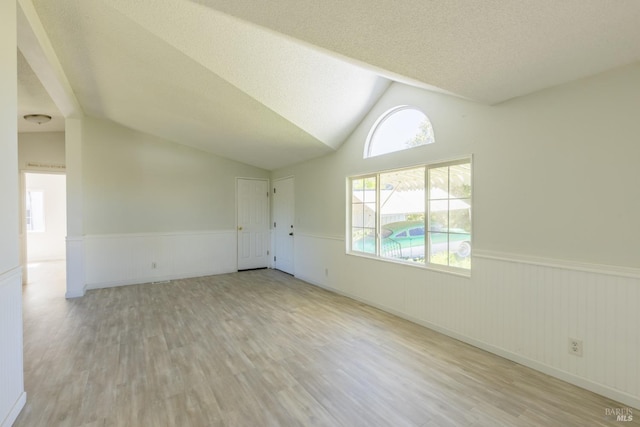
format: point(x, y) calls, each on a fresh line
point(8, 139)
point(555, 228)
point(49, 244)
point(135, 182)
point(76, 283)
point(552, 171)
point(168, 207)
point(12, 396)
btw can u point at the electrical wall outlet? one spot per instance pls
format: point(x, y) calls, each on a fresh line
point(575, 347)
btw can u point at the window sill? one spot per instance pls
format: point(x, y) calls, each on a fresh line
point(460, 272)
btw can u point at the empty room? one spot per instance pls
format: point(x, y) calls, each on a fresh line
point(320, 213)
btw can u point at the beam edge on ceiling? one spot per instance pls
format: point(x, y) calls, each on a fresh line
point(38, 50)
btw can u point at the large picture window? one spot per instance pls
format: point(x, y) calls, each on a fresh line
point(418, 215)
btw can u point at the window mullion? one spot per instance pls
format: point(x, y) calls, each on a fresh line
point(448, 215)
point(440, 239)
point(427, 216)
point(378, 209)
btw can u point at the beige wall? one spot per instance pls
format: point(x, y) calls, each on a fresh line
point(555, 173)
point(137, 183)
point(41, 147)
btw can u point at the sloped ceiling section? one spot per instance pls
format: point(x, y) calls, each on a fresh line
point(193, 75)
point(488, 51)
point(279, 82)
point(35, 100)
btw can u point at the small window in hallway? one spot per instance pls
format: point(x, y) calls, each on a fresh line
point(35, 211)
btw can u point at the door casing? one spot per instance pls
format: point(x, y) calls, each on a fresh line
point(284, 221)
point(252, 223)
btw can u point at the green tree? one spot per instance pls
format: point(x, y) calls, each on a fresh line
point(423, 136)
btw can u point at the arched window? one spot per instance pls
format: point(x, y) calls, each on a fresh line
point(398, 129)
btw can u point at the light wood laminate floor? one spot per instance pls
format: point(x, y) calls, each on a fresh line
point(261, 348)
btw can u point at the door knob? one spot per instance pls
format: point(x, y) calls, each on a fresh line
point(240, 228)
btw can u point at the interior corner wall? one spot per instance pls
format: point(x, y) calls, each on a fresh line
point(12, 395)
point(153, 209)
point(555, 226)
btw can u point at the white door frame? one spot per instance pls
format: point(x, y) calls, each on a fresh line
point(287, 230)
point(261, 233)
point(23, 214)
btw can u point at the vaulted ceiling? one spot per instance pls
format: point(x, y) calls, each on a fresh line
point(275, 83)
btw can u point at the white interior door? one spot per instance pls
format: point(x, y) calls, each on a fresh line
point(253, 223)
point(283, 217)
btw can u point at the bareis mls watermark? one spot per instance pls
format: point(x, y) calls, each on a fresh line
point(619, 414)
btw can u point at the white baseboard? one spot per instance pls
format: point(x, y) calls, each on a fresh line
point(617, 395)
point(15, 411)
point(155, 279)
point(77, 293)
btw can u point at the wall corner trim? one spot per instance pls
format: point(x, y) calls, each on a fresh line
point(76, 293)
point(609, 270)
point(13, 274)
point(15, 411)
point(76, 281)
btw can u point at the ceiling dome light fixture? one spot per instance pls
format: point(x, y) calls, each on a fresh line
point(37, 118)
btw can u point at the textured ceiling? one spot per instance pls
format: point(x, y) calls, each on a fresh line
point(488, 51)
point(34, 99)
point(289, 80)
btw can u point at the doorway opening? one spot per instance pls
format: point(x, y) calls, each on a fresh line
point(44, 231)
point(252, 223)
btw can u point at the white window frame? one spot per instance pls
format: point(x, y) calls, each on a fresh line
point(39, 217)
point(377, 256)
point(368, 146)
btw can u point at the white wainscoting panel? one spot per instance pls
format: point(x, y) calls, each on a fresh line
point(125, 259)
point(12, 394)
point(520, 308)
point(76, 285)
